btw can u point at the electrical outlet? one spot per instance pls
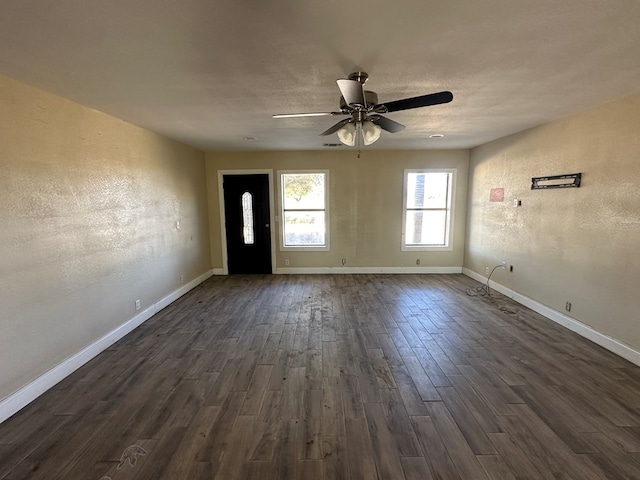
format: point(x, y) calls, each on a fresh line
point(486, 270)
point(503, 265)
point(286, 261)
point(137, 304)
point(181, 278)
point(567, 307)
point(511, 268)
point(344, 261)
point(178, 225)
point(418, 261)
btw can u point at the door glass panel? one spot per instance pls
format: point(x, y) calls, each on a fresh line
point(247, 218)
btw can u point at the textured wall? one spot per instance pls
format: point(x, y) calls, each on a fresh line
point(88, 206)
point(580, 245)
point(365, 204)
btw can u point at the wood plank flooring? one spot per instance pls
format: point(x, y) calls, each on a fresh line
point(336, 377)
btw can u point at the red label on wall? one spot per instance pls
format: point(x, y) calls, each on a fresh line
point(496, 195)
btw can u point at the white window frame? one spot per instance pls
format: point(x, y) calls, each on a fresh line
point(448, 246)
point(280, 218)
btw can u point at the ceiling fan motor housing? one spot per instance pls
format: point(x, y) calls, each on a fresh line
point(370, 97)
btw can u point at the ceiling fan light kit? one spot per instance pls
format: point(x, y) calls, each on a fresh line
point(351, 131)
point(347, 134)
point(364, 111)
point(370, 132)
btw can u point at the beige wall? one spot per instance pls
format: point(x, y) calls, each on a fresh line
point(580, 245)
point(365, 204)
point(88, 206)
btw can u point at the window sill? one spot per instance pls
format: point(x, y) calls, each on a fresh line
point(310, 248)
point(426, 248)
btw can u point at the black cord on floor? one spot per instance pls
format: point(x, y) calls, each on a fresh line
point(483, 290)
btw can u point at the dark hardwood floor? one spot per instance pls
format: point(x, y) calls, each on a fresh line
point(336, 377)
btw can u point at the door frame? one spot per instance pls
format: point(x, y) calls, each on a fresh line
point(223, 226)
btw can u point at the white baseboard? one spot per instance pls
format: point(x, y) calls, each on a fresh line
point(21, 398)
point(365, 270)
point(612, 344)
point(172, 297)
point(218, 271)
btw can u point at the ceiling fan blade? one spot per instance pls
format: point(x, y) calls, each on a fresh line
point(352, 91)
point(336, 127)
point(312, 114)
point(415, 102)
point(386, 123)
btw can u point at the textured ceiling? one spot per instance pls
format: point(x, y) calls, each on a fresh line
point(211, 72)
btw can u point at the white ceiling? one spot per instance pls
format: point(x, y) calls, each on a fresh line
point(211, 72)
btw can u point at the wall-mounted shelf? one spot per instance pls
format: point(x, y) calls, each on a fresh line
point(556, 181)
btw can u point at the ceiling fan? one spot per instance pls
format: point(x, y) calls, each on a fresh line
point(364, 111)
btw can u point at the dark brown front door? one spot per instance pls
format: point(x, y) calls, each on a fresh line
point(246, 208)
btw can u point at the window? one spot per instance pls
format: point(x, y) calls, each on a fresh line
point(304, 209)
point(426, 223)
